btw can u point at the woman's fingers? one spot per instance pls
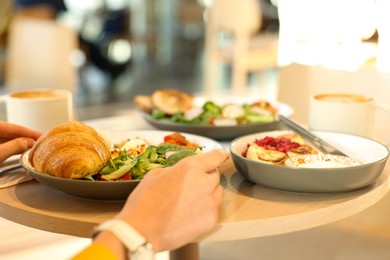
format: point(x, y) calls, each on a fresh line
point(16, 146)
point(11, 131)
point(210, 160)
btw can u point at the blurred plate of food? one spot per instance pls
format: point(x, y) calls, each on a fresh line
point(284, 160)
point(132, 155)
point(220, 118)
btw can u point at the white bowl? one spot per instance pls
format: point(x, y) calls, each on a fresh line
point(372, 154)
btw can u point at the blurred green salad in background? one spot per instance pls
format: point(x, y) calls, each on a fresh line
point(221, 115)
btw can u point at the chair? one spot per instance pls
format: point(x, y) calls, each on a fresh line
point(39, 55)
point(246, 52)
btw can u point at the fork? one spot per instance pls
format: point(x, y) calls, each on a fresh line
point(9, 166)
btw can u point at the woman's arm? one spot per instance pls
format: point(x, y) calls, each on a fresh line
point(172, 206)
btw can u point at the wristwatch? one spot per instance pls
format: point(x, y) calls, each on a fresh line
point(138, 247)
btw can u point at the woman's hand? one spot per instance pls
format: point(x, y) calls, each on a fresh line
point(15, 139)
point(173, 206)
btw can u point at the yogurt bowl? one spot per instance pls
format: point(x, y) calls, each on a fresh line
point(366, 163)
point(321, 160)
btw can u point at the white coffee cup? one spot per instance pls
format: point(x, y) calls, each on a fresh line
point(346, 113)
point(39, 109)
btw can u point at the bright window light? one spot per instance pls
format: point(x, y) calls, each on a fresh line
point(84, 5)
point(327, 33)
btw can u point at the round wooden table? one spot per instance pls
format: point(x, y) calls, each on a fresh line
point(247, 211)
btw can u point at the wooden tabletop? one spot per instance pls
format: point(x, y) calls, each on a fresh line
point(247, 211)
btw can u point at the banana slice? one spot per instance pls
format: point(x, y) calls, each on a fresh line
point(232, 111)
point(261, 154)
point(171, 101)
point(293, 137)
point(302, 150)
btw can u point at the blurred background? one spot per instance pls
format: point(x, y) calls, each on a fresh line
point(108, 51)
point(124, 47)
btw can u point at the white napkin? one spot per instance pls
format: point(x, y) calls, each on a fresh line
point(14, 177)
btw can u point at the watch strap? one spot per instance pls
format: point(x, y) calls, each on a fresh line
point(137, 245)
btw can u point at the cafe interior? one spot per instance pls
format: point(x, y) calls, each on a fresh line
point(108, 51)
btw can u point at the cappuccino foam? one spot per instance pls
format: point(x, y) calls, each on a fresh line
point(35, 94)
point(342, 98)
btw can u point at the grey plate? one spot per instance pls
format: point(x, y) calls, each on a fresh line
point(108, 190)
point(372, 154)
point(216, 132)
point(221, 132)
point(100, 190)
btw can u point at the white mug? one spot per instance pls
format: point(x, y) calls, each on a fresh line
point(39, 109)
point(346, 113)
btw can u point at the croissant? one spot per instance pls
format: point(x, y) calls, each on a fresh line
point(71, 150)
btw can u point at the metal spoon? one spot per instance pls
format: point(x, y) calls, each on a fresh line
point(320, 144)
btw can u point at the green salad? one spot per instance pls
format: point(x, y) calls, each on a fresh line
point(219, 115)
point(126, 167)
